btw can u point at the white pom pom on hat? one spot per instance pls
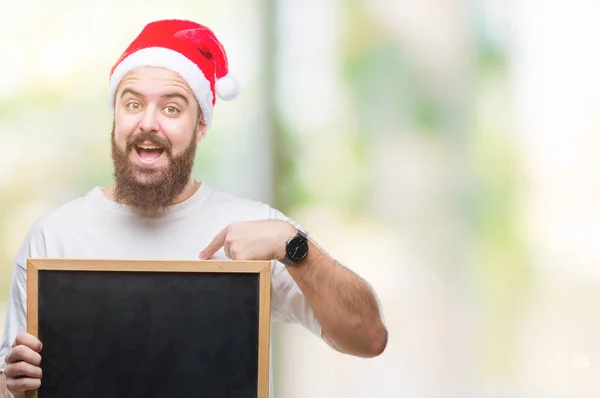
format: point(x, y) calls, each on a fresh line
point(188, 48)
point(227, 88)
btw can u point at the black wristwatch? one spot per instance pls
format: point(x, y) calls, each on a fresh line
point(296, 249)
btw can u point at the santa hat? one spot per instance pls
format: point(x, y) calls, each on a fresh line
point(188, 48)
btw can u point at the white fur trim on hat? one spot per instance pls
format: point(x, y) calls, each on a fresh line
point(168, 59)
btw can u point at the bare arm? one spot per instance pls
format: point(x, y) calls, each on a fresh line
point(344, 304)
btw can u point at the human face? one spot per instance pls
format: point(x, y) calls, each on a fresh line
point(156, 129)
point(158, 105)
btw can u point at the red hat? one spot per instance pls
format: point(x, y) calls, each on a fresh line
point(185, 47)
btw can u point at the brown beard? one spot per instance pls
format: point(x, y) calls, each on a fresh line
point(160, 187)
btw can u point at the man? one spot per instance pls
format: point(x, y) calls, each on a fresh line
point(162, 92)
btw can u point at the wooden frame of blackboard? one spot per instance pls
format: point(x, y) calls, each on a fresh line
point(262, 268)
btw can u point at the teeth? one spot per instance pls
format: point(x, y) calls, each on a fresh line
point(148, 147)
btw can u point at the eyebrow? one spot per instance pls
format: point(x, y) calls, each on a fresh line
point(167, 95)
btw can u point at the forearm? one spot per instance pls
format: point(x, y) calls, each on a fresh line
point(344, 304)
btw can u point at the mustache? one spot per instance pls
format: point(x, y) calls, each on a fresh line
point(138, 138)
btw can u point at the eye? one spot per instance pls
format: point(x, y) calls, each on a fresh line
point(133, 106)
point(171, 110)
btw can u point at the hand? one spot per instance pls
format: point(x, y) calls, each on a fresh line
point(252, 240)
point(23, 372)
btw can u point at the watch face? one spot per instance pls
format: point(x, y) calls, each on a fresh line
point(297, 248)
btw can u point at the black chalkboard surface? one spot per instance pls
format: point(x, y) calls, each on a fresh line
point(150, 328)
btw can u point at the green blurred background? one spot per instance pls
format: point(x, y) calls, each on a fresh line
point(447, 151)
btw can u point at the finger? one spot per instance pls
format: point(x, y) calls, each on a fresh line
point(28, 340)
point(214, 246)
point(227, 250)
point(22, 384)
point(23, 369)
point(23, 353)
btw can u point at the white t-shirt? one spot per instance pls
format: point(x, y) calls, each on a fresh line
point(93, 226)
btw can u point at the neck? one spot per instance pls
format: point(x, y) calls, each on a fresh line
point(189, 190)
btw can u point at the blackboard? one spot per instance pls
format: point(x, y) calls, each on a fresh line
point(150, 328)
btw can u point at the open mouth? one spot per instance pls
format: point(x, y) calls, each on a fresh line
point(149, 153)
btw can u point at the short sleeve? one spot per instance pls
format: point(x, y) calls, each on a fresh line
point(288, 303)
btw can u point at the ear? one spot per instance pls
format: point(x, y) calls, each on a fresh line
point(200, 130)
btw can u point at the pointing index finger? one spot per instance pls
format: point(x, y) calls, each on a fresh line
point(214, 245)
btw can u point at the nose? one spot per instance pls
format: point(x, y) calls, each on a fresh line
point(149, 122)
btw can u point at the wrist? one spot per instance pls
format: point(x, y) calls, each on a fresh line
point(286, 231)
